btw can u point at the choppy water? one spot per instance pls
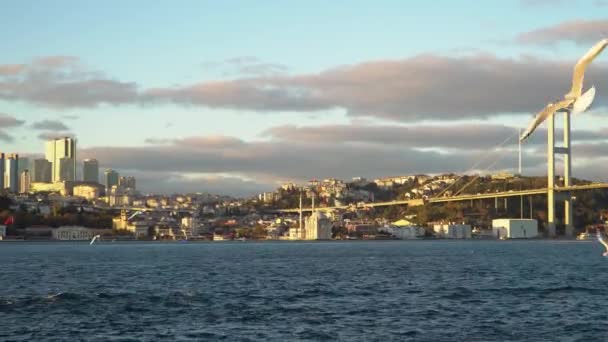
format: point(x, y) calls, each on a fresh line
point(373, 291)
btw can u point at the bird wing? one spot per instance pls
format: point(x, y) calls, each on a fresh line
point(584, 101)
point(579, 69)
point(543, 115)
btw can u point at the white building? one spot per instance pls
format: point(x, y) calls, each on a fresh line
point(452, 231)
point(515, 228)
point(73, 233)
point(404, 232)
point(317, 227)
point(2, 232)
point(55, 151)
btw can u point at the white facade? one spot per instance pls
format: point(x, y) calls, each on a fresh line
point(404, 233)
point(515, 228)
point(73, 233)
point(452, 231)
point(89, 192)
point(2, 231)
point(317, 227)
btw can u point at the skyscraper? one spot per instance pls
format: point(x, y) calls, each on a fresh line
point(24, 164)
point(111, 179)
point(11, 175)
point(2, 161)
point(41, 171)
point(90, 170)
point(58, 149)
point(24, 182)
point(66, 170)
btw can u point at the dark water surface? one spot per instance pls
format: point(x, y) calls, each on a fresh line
point(349, 291)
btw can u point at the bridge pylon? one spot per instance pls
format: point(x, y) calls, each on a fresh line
point(566, 196)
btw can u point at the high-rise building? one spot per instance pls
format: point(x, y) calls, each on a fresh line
point(111, 179)
point(24, 181)
point(2, 161)
point(66, 170)
point(90, 170)
point(24, 164)
point(58, 149)
point(11, 176)
point(41, 171)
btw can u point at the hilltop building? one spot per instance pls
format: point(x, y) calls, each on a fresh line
point(61, 152)
point(90, 170)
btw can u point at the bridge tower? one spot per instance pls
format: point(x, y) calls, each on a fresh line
point(566, 151)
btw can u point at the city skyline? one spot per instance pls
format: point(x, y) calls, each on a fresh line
point(338, 90)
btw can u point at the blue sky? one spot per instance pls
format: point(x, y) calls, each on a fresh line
point(176, 45)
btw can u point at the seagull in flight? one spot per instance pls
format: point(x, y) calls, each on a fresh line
point(575, 98)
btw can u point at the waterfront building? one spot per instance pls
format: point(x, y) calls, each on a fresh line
point(74, 233)
point(317, 227)
point(11, 175)
point(403, 232)
point(2, 231)
point(41, 171)
point(515, 228)
point(90, 170)
point(111, 179)
point(55, 151)
point(24, 182)
point(452, 231)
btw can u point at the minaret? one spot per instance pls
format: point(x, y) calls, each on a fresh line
point(299, 230)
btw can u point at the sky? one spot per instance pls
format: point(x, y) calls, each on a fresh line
point(237, 97)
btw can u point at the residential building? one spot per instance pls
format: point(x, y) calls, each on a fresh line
point(24, 182)
point(42, 170)
point(58, 149)
point(11, 177)
point(90, 170)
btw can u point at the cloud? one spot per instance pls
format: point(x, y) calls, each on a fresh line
point(447, 137)
point(55, 135)
point(7, 121)
point(582, 32)
point(423, 87)
point(61, 82)
point(170, 182)
point(50, 125)
point(266, 162)
point(11, 69)
point(246, 66)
